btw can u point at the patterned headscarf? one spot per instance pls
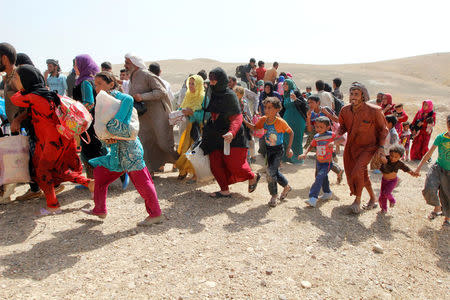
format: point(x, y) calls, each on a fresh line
point(194, 100)
point(87, 67)
point(362, 88)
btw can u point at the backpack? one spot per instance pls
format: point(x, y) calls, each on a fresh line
point(338, 105)
point(240, 72)
point(74, 118)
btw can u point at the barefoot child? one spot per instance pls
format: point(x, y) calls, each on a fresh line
point(438, 177)
point(389, 168)
point(323, 141)
point(125, 156)
point(274, 128)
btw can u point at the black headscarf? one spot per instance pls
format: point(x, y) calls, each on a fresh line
point(223, 99)
point(33, 83)
point(23, 59)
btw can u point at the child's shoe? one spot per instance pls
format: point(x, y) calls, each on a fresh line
point(312, 201)
point(149, 221)
point(273, 201)
point(326, 196)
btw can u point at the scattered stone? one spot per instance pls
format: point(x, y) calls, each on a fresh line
point(282, 297)
point(131, 285)
point(211, 284)
point(250, 249)
point(306, 284)
point(309, 249)
point(389, 287)
point(377, 248)
point(313, 256)
point(439, 281)
point(269, 272)
point(263, 283)
point(231, 275)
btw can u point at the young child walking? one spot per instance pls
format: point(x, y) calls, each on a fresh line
point(390, 166)
point(125, 156)
point(405, 139)
point(274, 128)
point(437, 184)
point(391, 139)
point(323, 141)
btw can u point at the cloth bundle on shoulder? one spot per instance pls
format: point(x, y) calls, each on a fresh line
point(74, 118)
point(106, 108)
point(14, 159)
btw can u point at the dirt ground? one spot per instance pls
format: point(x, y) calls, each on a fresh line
point(237, 248)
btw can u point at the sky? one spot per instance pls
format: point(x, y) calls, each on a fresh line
point(289, 31)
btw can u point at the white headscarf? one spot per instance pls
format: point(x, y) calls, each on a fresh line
point(136, 60)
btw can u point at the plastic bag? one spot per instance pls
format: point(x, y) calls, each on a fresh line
point(74, 118)
point(259, 133)
point(106, 108)
point(14, 159)
point(200, 162)
point(176, 117)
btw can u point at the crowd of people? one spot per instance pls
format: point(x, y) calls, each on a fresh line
point(227, 117)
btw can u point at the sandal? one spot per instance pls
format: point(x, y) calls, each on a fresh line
point(339, 177)
point(284, 194)
point(252, 187)
point(355, 209)
point(369, 206)
point(219, 195)
point(433, 215)
point(91, 213)
point(45, 212)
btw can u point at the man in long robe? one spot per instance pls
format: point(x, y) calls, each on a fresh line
point(155, 133)
point(367, 130)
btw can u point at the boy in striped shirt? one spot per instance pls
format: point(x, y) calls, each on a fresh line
point(323, 141)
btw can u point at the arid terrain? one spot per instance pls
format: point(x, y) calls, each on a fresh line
point(239, 248)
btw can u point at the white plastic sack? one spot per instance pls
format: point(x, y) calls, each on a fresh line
point(106, 108)
point(200, 162)
point(14, 159)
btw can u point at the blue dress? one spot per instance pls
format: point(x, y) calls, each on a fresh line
point(123, 156)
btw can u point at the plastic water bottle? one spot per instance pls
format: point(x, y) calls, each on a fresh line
point(226, 148)
point(7, 129)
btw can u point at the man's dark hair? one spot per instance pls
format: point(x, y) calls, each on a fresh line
point(408, 124)
point(391, 119)
point(9, 51)
point(252, 60)
point(202, 73)
point(396, 149)
point(320, 85)
point(276, 103)
point(327, 87)
point(232, 78)
point(323, 120)
point(308, 88)
point(155, 68)
point(337, 81)
point(123, 70)
point(314, 98)
point(398, 105)
point(260, 63)
point(275, 64)
point(106, 65)
point(283, 74)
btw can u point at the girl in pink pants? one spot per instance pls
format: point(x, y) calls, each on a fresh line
point(124, 156)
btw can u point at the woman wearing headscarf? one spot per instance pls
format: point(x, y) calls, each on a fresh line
point(192, 108)
point(280, 89)
point(295, 120)
point(84, 91)
point(55, 158)
point(386, 104)
point(422, 127)
point(225, 126)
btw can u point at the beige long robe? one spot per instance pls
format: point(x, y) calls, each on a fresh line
point(155, 133)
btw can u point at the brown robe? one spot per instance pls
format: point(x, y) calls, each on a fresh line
point(367, 130)
point(155, 133)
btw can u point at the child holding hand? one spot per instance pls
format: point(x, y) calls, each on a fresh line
point(323, 141)
point(390, 166)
